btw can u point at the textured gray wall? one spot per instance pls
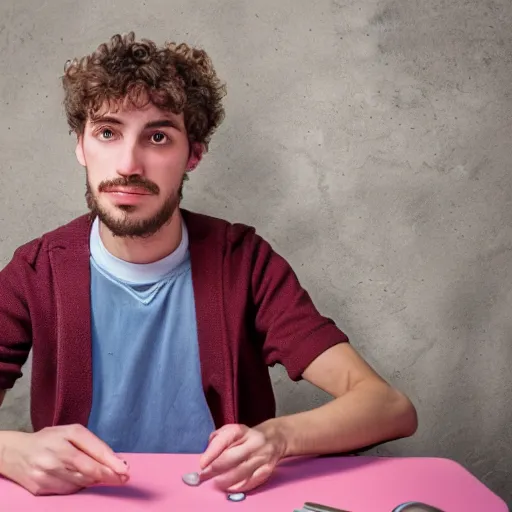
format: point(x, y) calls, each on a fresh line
point(368, 140)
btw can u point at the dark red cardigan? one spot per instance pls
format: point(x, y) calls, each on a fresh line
point(251, 313)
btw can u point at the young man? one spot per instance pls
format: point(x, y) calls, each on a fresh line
point(152, 327)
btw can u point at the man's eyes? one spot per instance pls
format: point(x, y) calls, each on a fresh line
point(107, 133)
point(104, 133)
point(159, 138)
point(156, 138)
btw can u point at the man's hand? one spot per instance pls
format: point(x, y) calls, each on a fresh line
point(240, 458)
point(59, 460)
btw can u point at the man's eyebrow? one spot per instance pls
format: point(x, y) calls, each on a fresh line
point(163, 123)
point(106, 119)
point(159, 123)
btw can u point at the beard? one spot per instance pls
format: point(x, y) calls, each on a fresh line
point(125, 226)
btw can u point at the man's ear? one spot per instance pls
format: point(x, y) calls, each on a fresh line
point(196, 154)
point(79, 150)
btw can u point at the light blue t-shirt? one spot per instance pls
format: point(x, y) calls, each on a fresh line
point(147, 389)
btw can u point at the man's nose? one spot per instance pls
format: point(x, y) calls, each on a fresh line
point(130, 161)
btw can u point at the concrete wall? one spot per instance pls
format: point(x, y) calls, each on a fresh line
point(369, 142)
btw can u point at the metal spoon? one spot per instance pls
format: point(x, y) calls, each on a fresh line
point(410, 506)
point(415, 506)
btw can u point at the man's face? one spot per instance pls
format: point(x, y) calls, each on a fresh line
point(136, 161)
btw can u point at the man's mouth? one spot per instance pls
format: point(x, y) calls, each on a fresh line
point(128, 190)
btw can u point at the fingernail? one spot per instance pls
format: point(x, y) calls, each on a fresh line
point(206, 471)
point(236, 488)
point(108, 474)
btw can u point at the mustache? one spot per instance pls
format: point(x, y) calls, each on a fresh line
point(130, 181)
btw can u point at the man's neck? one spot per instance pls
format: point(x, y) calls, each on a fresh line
point(144, 250)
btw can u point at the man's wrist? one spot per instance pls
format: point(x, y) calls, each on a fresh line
point(277, 432)
point(7, 439)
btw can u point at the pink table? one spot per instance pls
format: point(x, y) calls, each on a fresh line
point(358, 484)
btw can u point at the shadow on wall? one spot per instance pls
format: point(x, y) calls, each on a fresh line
point(466, 229)
point(473, 422)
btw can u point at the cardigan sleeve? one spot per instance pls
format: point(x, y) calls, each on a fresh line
point(15, 327)
point(294, 331)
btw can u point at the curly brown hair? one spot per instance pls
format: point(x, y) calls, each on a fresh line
point(129, 73)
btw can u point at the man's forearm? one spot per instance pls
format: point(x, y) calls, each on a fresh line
point(370, 413)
